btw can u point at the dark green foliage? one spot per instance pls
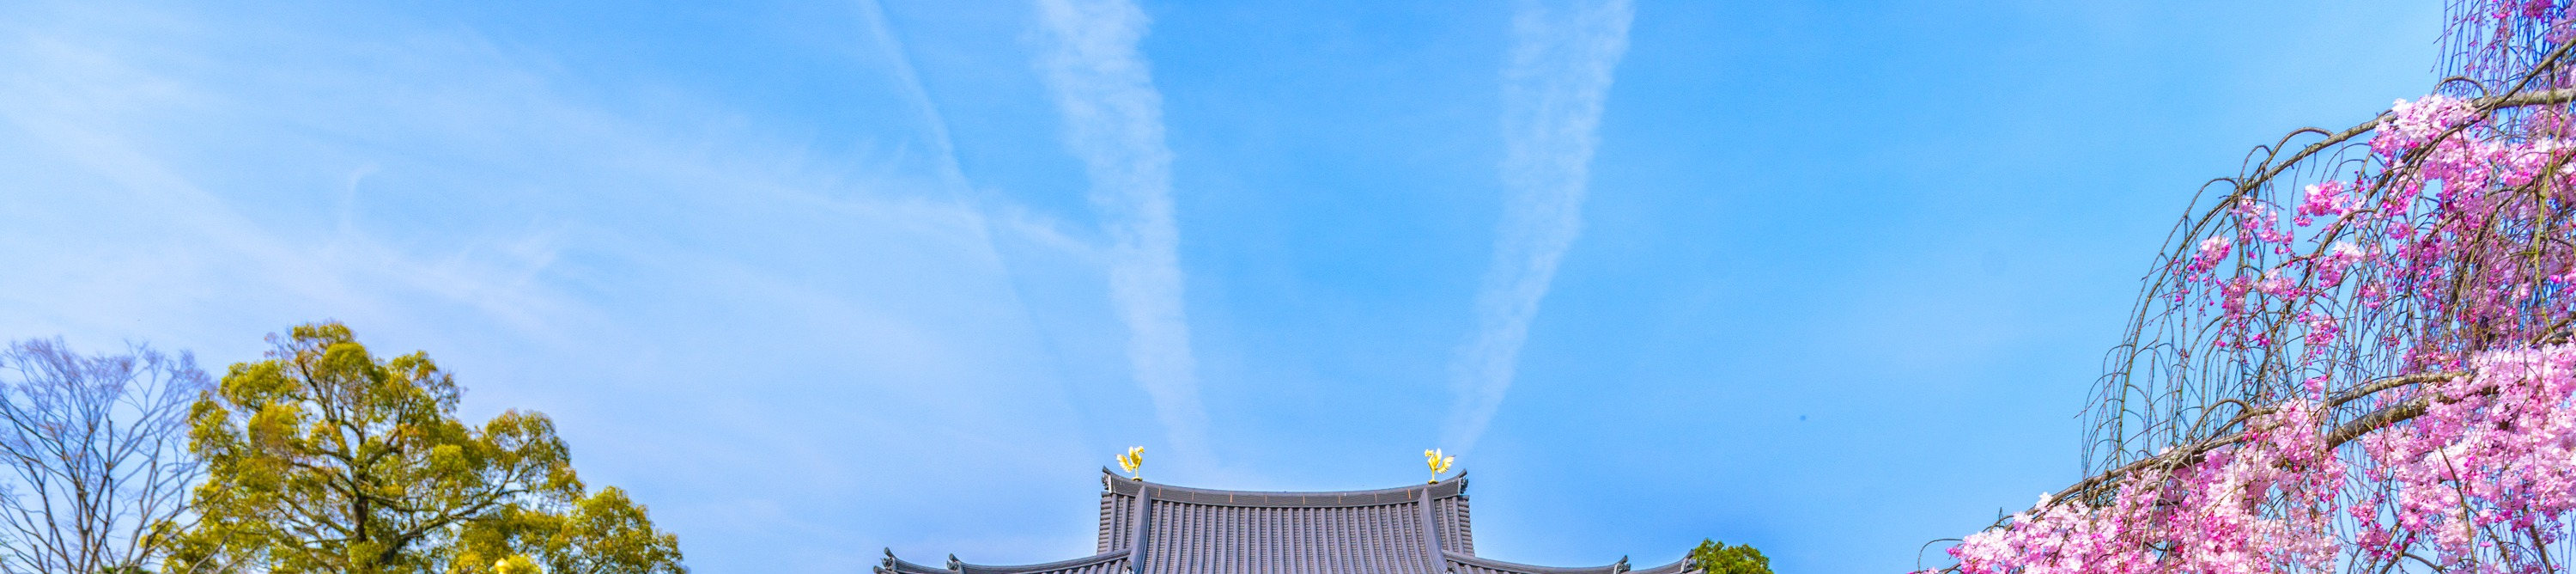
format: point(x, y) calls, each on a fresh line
point(1716, 557)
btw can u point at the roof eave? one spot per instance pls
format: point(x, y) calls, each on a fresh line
point(1452, 487)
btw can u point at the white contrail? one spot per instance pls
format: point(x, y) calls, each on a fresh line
point(1114, 122)
point(943, 150)
point(1561, 62)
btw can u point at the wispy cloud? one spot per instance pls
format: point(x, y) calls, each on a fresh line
point(943, 149)
point(676, 285)
point(68, 105)
point(1560, 69)
point(1114, 123)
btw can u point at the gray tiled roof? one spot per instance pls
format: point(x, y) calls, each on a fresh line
point(1420, 529)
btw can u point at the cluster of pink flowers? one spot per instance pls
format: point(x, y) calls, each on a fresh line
point(2259, 505)
point(2413, 124)
point(2371, 373)
point(2483, 478)
point(2489, 460)
point(2453, 225)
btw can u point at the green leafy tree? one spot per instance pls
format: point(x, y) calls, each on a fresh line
point(323, 458)
point(1716, 557)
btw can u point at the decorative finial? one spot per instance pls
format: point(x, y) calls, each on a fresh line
point(1135, 457)
point(1439, 463)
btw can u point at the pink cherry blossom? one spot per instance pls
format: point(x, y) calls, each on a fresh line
point(2383, 381)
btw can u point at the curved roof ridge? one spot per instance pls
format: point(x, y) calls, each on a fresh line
point(1489, 563)
point(1678, 566)
point(893, 565)
point(1454, 486)
point(1109, 556)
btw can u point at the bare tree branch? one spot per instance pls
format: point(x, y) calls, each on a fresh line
point(95, 455)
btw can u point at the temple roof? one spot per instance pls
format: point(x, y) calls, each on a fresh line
point(1153, 528)
point(1455, 486)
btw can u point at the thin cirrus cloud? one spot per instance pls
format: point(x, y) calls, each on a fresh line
point(663, 283)
point(1114, 123)
point(908, 81)
point(1562, 59)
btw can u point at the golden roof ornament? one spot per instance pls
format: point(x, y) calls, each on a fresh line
point(1135, 457)
point(1439, 463)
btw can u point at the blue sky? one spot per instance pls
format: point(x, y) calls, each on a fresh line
point(814, 279)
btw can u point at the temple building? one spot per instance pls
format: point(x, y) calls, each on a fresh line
point(1149, 528)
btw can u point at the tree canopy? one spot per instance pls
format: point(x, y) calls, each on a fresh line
point(1713, 557)
point(326, 458)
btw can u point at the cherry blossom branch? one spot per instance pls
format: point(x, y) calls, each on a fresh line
point(2227, 434)
point(2374, 420)
point(2490, 103)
